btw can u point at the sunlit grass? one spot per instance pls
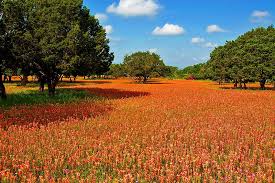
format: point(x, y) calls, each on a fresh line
point(31, 96)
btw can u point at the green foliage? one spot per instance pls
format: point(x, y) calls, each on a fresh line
point(194, 72)
point(88, 51)
point(170, 72)
point(18, 29)
point(191, 72)
point(251, 57)
point(116, 70)
point(143, 65)
point(50, 39)
point(5, 42)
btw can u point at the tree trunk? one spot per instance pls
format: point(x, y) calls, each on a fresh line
point(51, 88)
point(262, 83)
point(244, 84)
point(10, 79)
point(144, 79)
point(71, 80)
point(5, 78)
point(235, 84)
point(24, 80)
point(84, 77)
point(241, 85)
point(42, 85)
point(3, 94)
point(52, 81)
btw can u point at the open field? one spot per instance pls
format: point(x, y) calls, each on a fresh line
point(165, 131)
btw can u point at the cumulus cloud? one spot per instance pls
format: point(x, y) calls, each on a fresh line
point(108, 29)
point(101, 16)
point(168, 30)
point(202, 42)
point(214, 28)
point(197, 40)
point(211, 45)
point(134, 8)
point(260, 16)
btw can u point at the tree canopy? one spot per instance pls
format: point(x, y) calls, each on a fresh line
point(143, 65)
point(117, 70)
point(52, 38)
point(251, 57)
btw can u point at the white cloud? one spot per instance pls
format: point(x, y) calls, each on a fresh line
point(168, 30)
point(202, 42)
point(197, 40)
point(214, 28)
point(153, 50)
point(211, 45)
point(134, 8)
point(101, 16)
point(108, 29)
point(260, 14)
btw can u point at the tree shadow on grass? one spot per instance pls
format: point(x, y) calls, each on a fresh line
point(84, 82)
point(114, 93)
point(32, 108)
point(248, 88)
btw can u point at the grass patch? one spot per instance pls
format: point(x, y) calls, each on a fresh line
point(32, 97)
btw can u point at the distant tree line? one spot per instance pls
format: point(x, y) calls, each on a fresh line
point(194, 72)
point(249, 58)
point(140, 66)
point(50, 39)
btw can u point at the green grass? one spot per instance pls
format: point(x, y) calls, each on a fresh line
point(32, 97)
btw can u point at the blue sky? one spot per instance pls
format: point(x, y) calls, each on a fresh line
point(182, 32)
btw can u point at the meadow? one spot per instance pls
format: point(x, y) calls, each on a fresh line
point(120, 131)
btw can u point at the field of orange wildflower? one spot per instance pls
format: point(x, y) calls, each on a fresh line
point(168, 131)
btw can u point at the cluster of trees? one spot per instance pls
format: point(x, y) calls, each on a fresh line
point(141, 66)
point(249, 58)
point(193, 72)
point(117, 71)
point(51, 39)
